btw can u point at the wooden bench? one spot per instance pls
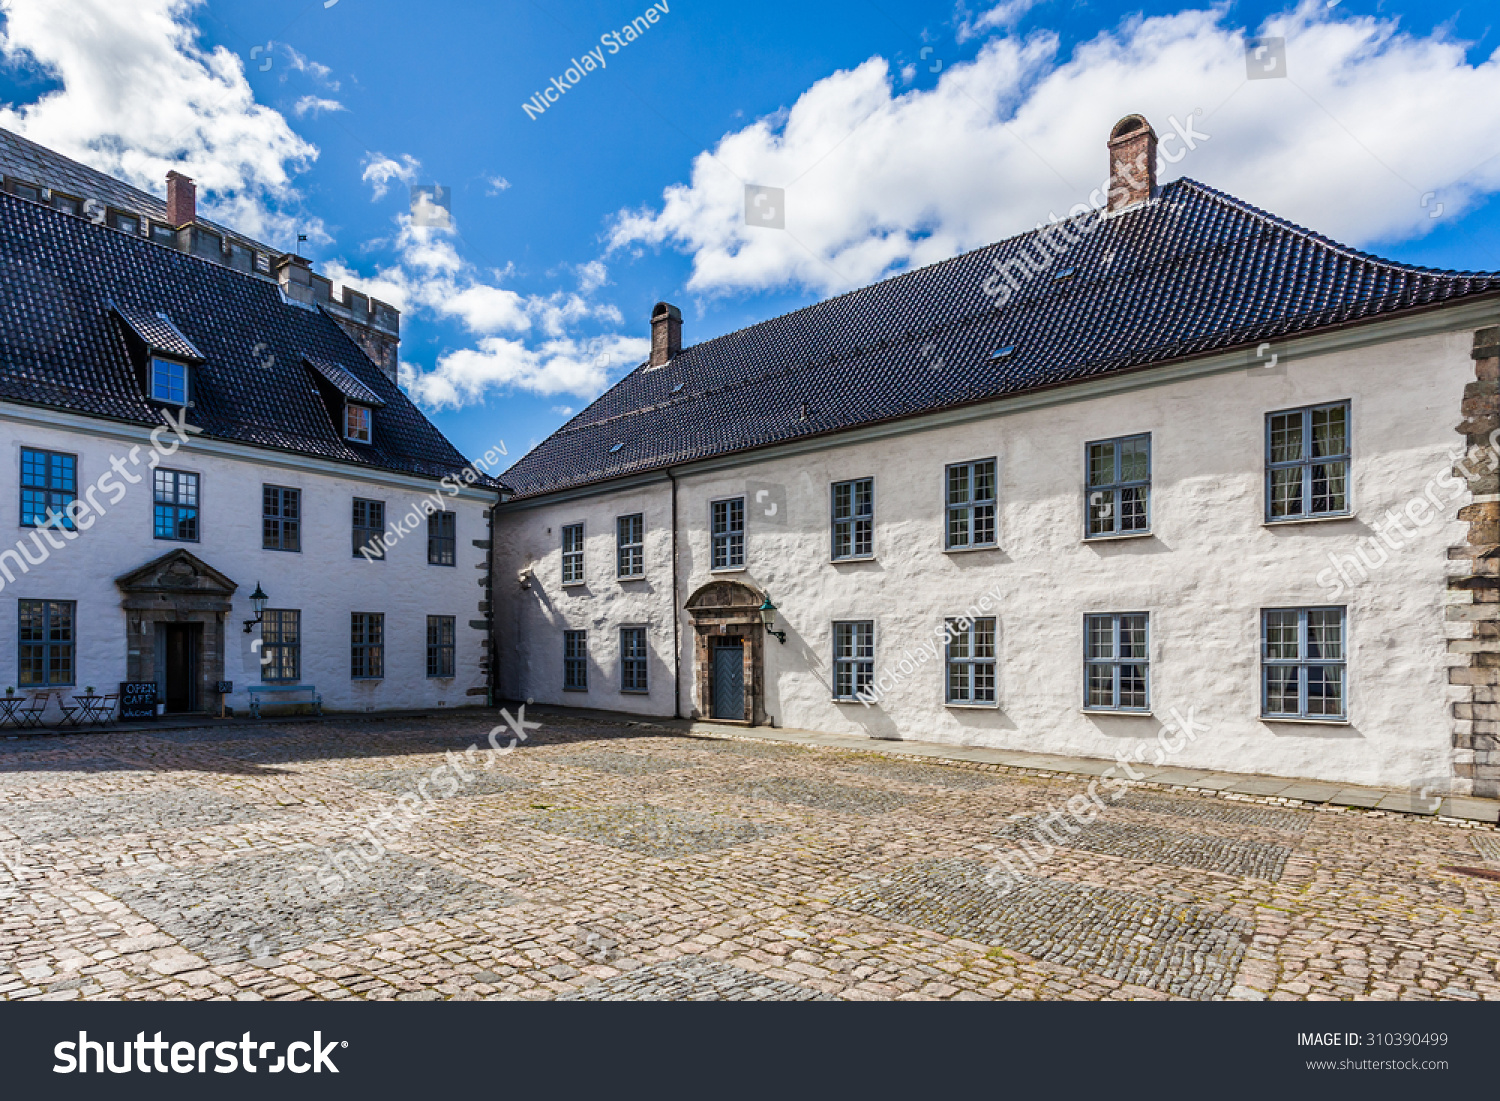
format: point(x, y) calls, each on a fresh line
point(259, 691)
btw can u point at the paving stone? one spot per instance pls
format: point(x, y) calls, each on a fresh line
point(820, 795)
point(694, 979)
point(1174, 847)
point(1136, 939)
point(1220, 810)
point(622, 764)
point(651, 831)
point(1488, 846)
point(400, 781)
point(36, 821)
point(928, 775)
point(267, 904)
point(17, 773)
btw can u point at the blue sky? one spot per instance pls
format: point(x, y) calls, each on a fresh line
point(901, 132)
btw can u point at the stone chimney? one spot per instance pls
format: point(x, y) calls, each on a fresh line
point(182, 200)
point(1132, 163)
point(294, 273)
point(666, 333)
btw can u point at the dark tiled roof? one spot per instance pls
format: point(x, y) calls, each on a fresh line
point(25, 160)
point(62, 347)
point(1194, 271)
point(342, 379)
point(158, 333)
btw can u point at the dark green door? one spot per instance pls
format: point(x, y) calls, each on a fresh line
point(729, 681)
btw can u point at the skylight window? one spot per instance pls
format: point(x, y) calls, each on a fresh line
point(1001, 353)
point(357, 420)
point(169, 381)
point(615, 448)
point(1063, 273)
point(678, 387)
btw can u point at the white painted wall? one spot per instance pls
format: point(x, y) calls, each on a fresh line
point(1205, 572)
point(324, 579)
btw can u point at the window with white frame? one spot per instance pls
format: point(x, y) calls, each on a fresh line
point(854, 518)
point(728, 530)
point(853, 658)
point(576, 661)
point(1117, 662)
point(630, 545)
point(971, 504)
point(971, 660)
point(1304, 657)
point(633, 659)
point(357, 422)
point(169, 381)
point(1307, 462)
point(572, 554)
point(1119, 490)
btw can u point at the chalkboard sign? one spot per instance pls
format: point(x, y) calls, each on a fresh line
point(223, 687)
point(137, 699)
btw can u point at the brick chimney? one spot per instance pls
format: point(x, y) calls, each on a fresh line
point(1132, 163)
point(666, 333)
point(182, 200)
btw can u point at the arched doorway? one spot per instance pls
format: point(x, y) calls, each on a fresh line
point(728, 656)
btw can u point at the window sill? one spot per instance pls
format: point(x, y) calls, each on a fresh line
point(173, 539)
point(1304, 721)
point(1295, 520)
point(1117, 538)
point(630, 577)
point(442, 676)
point(368, 680)
point(970, 550)
point(1127, 713)
point(575, 689)
point(729, 569)
point(851, 558)
point(574, 584)
point(852, 699)
point(972, 706)
point(635, 691)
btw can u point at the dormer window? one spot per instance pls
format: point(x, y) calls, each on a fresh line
point(357, 420)
point(169, 381)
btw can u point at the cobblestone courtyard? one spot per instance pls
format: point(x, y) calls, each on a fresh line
point(616, 861)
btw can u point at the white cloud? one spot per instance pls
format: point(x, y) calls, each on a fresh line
point(317, 105)
point(559, 366)
point(493, 185)
point(878, 181)
point(380, 170)
point(139, 96)
point(300, 63)
point(1000, 17)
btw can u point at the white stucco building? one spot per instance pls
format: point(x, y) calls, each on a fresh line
point(294, 466)
point(1176, 459)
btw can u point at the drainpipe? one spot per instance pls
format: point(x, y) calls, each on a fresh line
point(676, 613)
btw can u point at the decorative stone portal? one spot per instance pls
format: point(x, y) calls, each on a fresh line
point(729, 638)
point(175, 612)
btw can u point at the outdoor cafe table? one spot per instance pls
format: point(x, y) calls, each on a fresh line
point(8, 707)
point(93, 709)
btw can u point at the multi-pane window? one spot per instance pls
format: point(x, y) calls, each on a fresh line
point(630, 546)
point(633, 659)
point(1119, 501)
point(369, 528)
point(853, 658)
point(576, 661)
point(176, 515)
point(45, 657)
point(367, 645)
point(281, 646)
point(728, 529)
point(357, 422)
point(572, 554)
point(854, 518)
point(440, 630)
point(442, 538)
point(1117, 662)
point(281, 518)
point(1303, 655)
point(1307, 462)
point(169, 381)
point(49, 483)
point(971, 504)
point(971, 660)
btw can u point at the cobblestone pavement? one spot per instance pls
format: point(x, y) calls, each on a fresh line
point(375, 859)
